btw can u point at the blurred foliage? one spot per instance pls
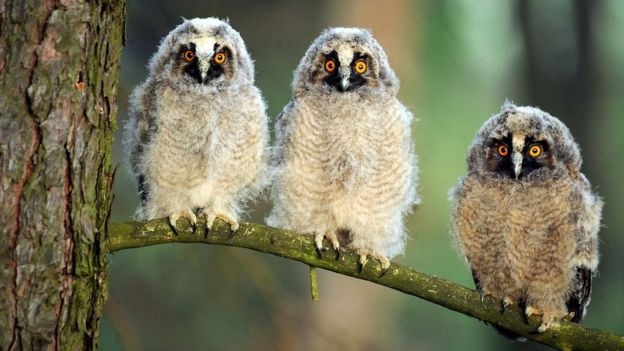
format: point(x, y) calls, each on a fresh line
point(458, 61)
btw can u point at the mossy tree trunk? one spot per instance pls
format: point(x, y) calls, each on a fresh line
point(59, 64)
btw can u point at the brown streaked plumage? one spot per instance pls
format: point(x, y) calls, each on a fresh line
point(525, 217)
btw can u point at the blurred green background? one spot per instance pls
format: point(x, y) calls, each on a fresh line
point(458, 61)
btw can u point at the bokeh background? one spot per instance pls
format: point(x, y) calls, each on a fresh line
point(458, 61)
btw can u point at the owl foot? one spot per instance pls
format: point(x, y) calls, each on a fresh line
point(211, 216)
point(383, 260)
point(532, 311)
point(507, 301)
point(188, 214)
point(551, 321)
point(483, 293)
point(331, 236)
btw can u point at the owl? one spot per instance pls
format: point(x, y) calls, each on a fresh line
point(344, 165)
point(197, 134)
point(525, 217)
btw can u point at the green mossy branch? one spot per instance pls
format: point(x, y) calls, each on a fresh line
point(291, 245)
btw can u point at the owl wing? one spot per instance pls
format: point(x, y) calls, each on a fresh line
point(282, 129)
point(588, 217)
point(580, 294)
point(140, 128)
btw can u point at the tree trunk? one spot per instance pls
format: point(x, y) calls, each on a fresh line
point(59, 65)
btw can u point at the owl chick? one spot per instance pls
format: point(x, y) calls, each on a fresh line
point(525, 216)
point(344, 162)
point(197, 134)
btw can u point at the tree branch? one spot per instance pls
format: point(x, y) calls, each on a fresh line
point(291, 245)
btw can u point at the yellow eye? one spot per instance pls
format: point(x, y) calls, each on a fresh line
point(503, 150)
point(330, 65)
point(219, 58)
point(189, 55)
point(360, 66)
point(535, 151)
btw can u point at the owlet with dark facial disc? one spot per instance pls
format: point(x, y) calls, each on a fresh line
point(197, 134)
point(344, 161)
point(526, 218)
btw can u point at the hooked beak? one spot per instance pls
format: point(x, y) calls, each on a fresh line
point(516, 159)
point(204, 66)
point(345, 73)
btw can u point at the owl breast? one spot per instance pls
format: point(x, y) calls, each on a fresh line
point(186, 144)
point(511, 236)
point(346, 144)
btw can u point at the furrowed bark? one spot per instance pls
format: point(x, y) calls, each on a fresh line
point(295, 246)
point(59, 65)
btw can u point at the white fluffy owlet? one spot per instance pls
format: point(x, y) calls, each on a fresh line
point(197, 134)
point(344, 161)
point(525, 216)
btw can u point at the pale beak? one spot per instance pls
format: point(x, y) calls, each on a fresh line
point(204, 66)
point(516, 159)
point(345, 73)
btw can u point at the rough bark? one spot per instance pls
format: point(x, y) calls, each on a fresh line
point(291, 245)
point(59, 64)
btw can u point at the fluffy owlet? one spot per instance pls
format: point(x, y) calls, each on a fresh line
point(345, 167)
point(197, 134)
point(525, 216)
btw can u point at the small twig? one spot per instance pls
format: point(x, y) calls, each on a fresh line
point(313, 284)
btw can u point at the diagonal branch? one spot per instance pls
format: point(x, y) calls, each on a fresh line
point(291, 245)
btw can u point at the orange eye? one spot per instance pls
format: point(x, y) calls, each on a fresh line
point(535, 151)
point(330, 65)
point(503, 150)
point(189, 55)
point(219, 58)
point(360, 66)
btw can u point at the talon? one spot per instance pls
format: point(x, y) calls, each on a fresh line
point(319, 252)
point(318, 242)
point(362, 262)
point(384, 261)
point(383, 272)
point(337, 254)
point(548, 325)
point(570, 315)
point(211, 216)
point(232, 233)
point(188, 214)
point(483, 294)
point(507, 301)
point(532, 311)
point(209, 222)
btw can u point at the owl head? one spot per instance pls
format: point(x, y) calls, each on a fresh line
point(524, 144)
point(202, 53)
point(343, 60)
